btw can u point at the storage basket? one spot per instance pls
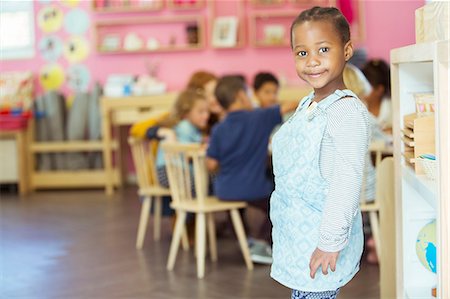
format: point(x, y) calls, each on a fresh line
point(429, 166)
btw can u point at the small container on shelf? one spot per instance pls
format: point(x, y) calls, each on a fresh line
point(428, 163)
point(424, 103)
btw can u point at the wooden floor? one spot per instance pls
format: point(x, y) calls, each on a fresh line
point(81, 244)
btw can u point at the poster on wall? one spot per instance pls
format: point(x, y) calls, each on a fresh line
point(51, 47)
point(50, 19)
point(51, 77)
point(78, 78)
point(76, 49)
point(76, 22)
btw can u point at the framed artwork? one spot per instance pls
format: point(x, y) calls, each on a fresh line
point(225, 32)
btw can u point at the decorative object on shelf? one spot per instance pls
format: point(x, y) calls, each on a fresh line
point(426, 246)
point(50, 18)
point(225, 31)
point(428, 163)
point(118, 85)
point(192, 34)
point(424, 103)
point(132, 42)
point(274, 34)
point(186, 4)
point(147, 85)
point(152, 44)
point(51, 47)
point(110, 43)
point(76, 49)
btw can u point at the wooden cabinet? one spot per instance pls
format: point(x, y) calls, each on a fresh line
point(419, 200)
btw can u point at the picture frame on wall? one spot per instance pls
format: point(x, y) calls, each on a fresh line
point(224, 32)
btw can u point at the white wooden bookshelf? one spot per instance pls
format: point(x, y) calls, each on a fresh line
point(421, 68)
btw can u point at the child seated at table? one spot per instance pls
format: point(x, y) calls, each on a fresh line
point(189, 117)
point(238, 151)
point(265, 89)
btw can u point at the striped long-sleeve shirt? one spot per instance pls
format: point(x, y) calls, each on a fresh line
point(343, 151)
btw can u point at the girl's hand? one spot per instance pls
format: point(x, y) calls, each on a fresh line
point(323, 259)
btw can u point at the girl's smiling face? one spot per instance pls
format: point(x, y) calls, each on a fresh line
point(320, 56)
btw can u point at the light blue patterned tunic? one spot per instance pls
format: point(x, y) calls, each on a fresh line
point(308, 162)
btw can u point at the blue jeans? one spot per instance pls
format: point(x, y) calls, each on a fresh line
point(314, 295)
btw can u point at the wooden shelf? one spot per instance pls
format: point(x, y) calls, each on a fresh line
point(281, 19)
point(156, 5)
point(68, 146)
point(72, 179)
point(425, 187)
point(199, 4)
point(417, 68)
point(120, 28)
point(162, 49)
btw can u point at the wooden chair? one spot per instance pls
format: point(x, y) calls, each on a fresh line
point(373, 208)
point(386, 198)
point(143, 153)
point(188, 180)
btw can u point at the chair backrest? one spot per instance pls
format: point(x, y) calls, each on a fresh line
point(376, 148)
point(186, 171)
point(143, 153)
point(386, 199)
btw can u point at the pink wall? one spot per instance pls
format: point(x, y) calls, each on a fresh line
point(389, 24)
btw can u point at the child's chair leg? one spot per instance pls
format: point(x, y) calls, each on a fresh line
point(181, 218)
point(185, 239)
point(200, 240)
point(143, 221)
point(212, 237)
point(375, 227)
point(239, 229)
point(157, 213)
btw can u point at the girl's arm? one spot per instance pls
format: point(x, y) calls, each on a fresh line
point(348, 127)
point(347, 141)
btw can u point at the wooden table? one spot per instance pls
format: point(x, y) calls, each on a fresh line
point(120, 112)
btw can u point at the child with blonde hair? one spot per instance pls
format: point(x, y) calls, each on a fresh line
point(188, 119)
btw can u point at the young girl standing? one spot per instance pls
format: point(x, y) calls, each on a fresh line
point(318, 160)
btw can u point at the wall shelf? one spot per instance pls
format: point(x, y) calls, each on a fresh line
point(149, 35)
point(99, 6)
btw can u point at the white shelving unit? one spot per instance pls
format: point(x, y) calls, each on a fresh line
point(421, 68)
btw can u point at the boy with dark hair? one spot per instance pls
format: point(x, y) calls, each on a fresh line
point(238, 151)
point(265, 88)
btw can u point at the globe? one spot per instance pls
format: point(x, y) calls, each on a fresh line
point(426, 246)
